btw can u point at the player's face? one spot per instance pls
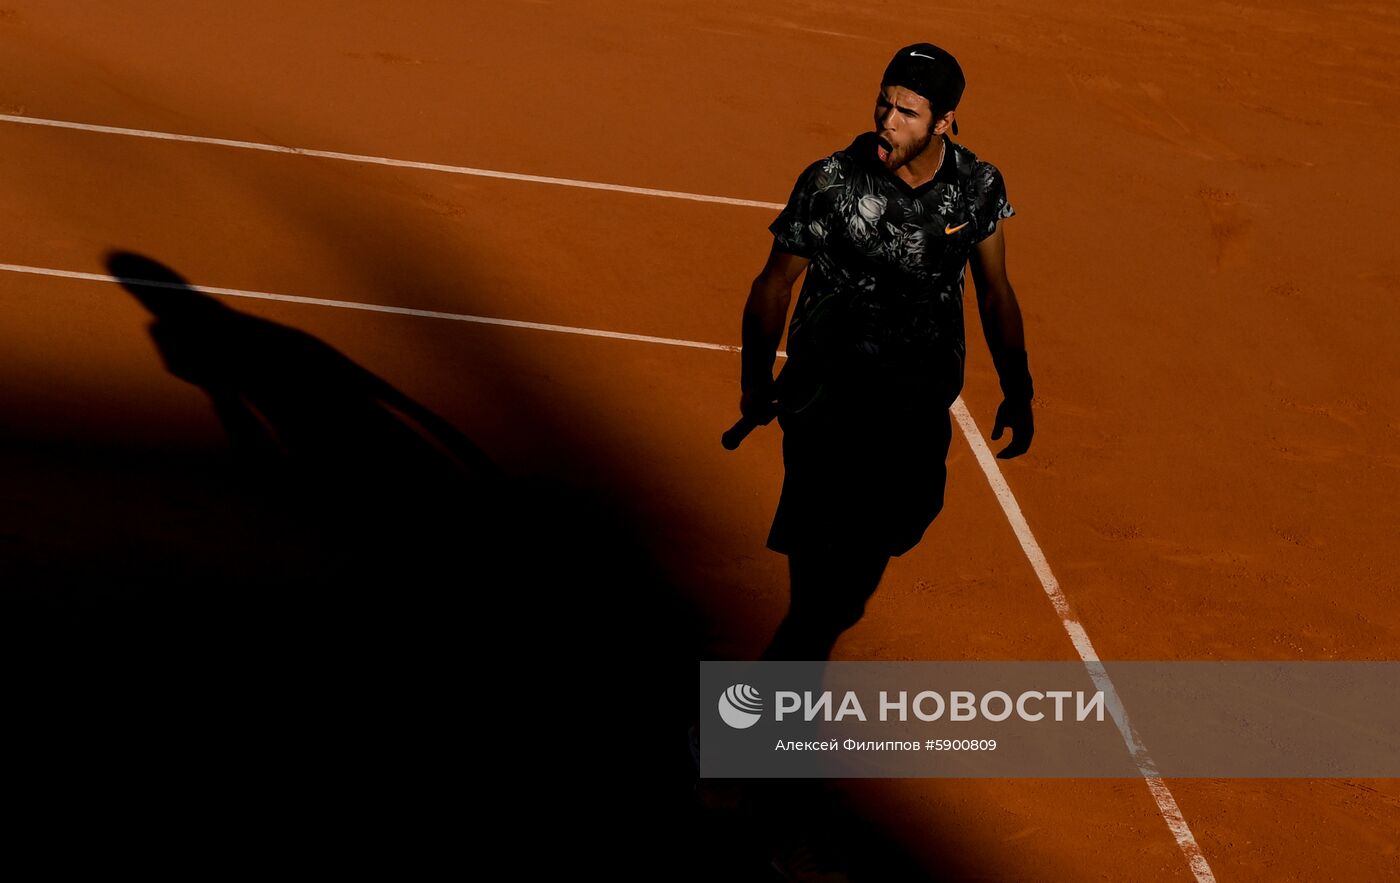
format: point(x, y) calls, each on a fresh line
point(905, 123)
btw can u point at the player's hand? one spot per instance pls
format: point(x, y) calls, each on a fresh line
point(758, 406)
point(1015, 416)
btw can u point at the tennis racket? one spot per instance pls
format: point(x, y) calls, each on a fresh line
point(735, 434)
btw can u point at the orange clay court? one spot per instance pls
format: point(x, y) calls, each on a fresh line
point(1203, 251)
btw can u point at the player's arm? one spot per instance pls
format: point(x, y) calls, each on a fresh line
point(1005, 335)
point(996, 300)
point(764, 314)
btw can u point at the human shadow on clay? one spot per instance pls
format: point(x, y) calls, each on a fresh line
point(374, 481)
point(386, 515)
point(276, 388)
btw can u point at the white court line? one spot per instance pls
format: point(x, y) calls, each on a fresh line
point(1166, 803)
point(373, 308)
point(386, 161)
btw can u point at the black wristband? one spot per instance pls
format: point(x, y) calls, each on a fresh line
point(1014, 374)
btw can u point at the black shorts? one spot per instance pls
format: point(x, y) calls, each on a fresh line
point(864, 470)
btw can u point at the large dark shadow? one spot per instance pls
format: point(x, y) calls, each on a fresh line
point(366, 631)
point(377, 633)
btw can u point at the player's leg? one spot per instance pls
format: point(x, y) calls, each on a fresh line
point(829, 590)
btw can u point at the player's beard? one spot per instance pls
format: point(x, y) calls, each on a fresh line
point(903, 156)
point(917, 149)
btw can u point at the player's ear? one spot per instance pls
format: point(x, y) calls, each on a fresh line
point(941, 124)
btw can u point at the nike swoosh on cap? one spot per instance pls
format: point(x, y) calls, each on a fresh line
point(921, 55)
point(952, 230)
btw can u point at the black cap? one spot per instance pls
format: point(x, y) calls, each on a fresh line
point(930, 71)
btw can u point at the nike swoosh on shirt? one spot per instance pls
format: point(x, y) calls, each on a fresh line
point(951, 230)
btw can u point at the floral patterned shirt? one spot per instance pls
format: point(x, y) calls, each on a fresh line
point(883, 292)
